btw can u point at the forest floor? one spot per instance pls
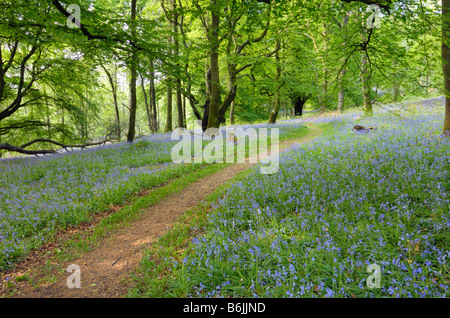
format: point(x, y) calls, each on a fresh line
point(106, 269)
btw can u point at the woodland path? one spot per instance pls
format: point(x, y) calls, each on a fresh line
point(106, 269)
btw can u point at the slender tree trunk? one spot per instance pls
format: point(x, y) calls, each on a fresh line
point(49, 136)
point(84, 128)
point(133, 79)
point(324, 87)
point(157, 116)
point(49, 133)
point(114, 94)
point(184, 111)
point(365, 80)
point(446, 62)
point(180, 117)
point(321, 78)
point(147, 105)
point(231, 95)
point(205, 115)
point(2, 76)
point(396, 91)
point(116, 106)
point(213, 116)
point(152, 97)
point(232, 77)
point(276, 109)
point(181, 122)
point(232, 113)
point(341, 93)
point(169, 106)
point(169, 96)
point(324, 101)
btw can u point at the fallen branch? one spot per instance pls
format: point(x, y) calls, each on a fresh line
point(22, 150)
point(8, 147)
point(66, 146)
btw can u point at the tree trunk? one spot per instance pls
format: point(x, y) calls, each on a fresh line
point(184, 111)
point(324, 100)
point(180, 118)
point(169, 106)
point(181, 122)
point(276, 109)
point(84, 128)
point(213, 114)
point(49, 134)
point(147, 104)
point(169, 96)
point(446, 61)
point(365, 80)
point(152, 98)
point(299, 101)
point(324, 90)
point(133, 80)
point(232, 87)
point(116, 107)
point(232, 113)
point(321, 78)
point(341, 94)
point(232, 90)
point(396, 93)
point(114, 94)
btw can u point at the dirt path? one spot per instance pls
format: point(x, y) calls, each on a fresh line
point(105, 270)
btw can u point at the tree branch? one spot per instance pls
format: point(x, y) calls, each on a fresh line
point(83, 29)
point(239, 48)
point(8, 147)
point(63, 145)
point(126, 40)
point(382, 4)
point(22, 124)
point(22, 150)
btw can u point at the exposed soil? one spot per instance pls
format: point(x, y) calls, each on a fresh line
point(105, 270)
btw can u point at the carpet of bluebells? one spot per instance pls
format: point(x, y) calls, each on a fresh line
point(39, 195)
point(337, 205)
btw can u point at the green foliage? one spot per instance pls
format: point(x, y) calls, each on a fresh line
point(322, 43)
